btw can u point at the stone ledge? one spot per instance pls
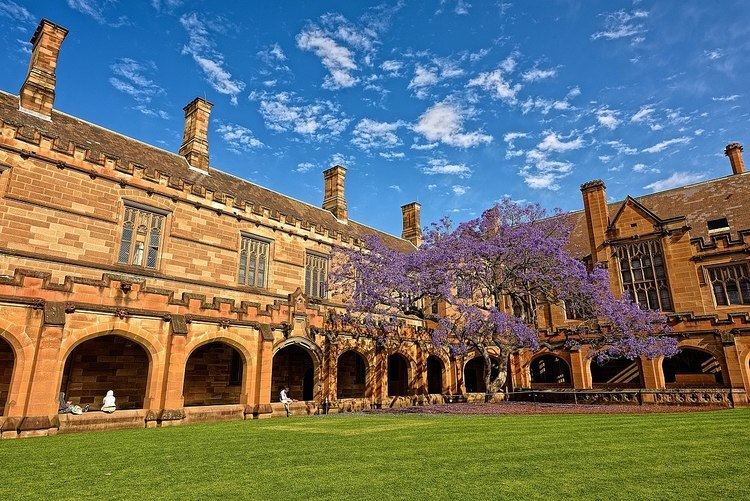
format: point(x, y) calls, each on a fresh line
point(206, 413)
point(97, 420)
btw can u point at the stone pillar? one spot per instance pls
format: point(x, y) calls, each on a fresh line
point(38, 90)
point(734, 370)
point(264, 367)
point(334, 199)
point(380, 379)
point(652, 373)
point(171, 408)
point(597, 217)
point(195, 136)
point(420, 381)
point(330, 383)
point(412, 223)
point(580, 369)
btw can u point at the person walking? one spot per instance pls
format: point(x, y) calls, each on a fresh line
point(284, 399)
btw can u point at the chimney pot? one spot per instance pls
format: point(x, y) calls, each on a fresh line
point(195, 137)
point(38, 90)
point(597, 217)
point(412, 223)
point(334, 199)
point(734, 152)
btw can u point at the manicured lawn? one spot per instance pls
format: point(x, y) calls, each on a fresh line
point(704, 455)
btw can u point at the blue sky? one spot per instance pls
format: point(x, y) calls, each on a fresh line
point(454, 104)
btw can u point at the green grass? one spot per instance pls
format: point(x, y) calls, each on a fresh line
point(703, 455)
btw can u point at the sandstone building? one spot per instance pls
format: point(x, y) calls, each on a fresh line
point(196, 295)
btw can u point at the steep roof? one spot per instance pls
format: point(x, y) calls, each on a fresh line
point(724, 197)
point(98, 140)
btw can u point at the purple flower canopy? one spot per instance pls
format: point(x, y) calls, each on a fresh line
point(492, 274)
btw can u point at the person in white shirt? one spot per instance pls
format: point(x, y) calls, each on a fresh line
point(108, 405)
point(284, 399)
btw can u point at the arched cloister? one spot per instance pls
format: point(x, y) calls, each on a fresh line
point(7, 365)
point(692, 368)
point(214, 375)
point(398, 376)
point(351, 375)
point(549, 370)
point(617, 373)
point(474, 374)
point(103, 363)
point(435, 375)
point(293, 366)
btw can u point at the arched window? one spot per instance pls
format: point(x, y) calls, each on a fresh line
point(692, 368)
point(351, 375)
point(293, 366)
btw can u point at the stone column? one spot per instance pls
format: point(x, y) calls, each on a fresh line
point(264, 367)
point(733, 377)
point(579, 368)
point(170, 410)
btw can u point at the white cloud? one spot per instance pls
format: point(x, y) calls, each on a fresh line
point(238, 138)
point(714, 54)
point(427, 146)
point(392, 155)
point(130, 77)
point(607, 118)
point(202, 49)
point(478, 55)
point(605, 158)
point(733, 97)
point(544, 105)
point(459, 190)
point(16, 12)
point(396, 188)
point(370, 134)
point(675, 180)
point(337, 59)
point(510, 138)
point(644, 113)
point(422, 79)
point(644, 168)
point(392, 67)
point(431, 186)
point(622, 24)
point(622, 148)
point(699, 132)
point(166, 5)
point(552, 142)
point(494, 83)
point(542, 173)
point(444, 122)
point(95, 10)
point(284, 112)
point(508, 64)
point(439, 166)
point(303, 167)
point(659, 147)
point(536, 74)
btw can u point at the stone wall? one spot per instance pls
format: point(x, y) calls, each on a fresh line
point(211, 376)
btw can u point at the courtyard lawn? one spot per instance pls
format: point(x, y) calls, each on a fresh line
point(702, 455)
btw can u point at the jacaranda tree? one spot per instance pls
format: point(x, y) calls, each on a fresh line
point(492, 274)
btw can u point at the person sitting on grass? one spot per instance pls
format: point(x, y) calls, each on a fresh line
point(108, 405)
point(284, 399)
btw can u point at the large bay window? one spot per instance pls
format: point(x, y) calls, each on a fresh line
point(644, 275)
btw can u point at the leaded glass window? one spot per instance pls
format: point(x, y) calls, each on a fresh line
point(316, 275)
point(142, 233)
point(644, 275)
point(253, 262)
point(731, 284)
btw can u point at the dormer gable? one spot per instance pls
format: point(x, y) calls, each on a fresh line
point(633, 219)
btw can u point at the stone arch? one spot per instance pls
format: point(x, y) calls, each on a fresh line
point(616, 373)
point(548, 370)
point(693, 367)
point(110, 361)
point(7, 369)
point(399, 374)
point(473, 372)
point(214, 373)
point(296, 364)
point(436, 374)
point(352, 371)
point(22, 348)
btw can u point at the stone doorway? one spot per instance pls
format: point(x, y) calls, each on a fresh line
point(293, 366)
point(434, 375)
point(213, 375)
point(106, 363)
point(398, 376)
point(474, 374)
point(351, 375)
point(550, 371)
point(7, 362)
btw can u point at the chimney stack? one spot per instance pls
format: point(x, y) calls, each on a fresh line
point(412, 225)
point(38, 91)
point(734, 152)
point(195, 138)
point(333, 197)
point(597, 217)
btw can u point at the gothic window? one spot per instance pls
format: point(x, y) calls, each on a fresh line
point(573, 312)
point(644, 275)
point(142, 233)
point(731, 284)
point(316, 275)
point(253, 262)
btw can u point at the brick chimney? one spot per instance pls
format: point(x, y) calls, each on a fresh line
point(195, 138)
point(734, 152)
point(412, 225)
point(333, 197)
point(38, 91)
point(597, 217)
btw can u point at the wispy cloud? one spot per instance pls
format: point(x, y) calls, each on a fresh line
point(132, 78)
point(443, 122)
point(370, 134)
point(659, 147)
point(95, 10)
point(675, 180)
point(733, 97)
point(622, 24)
point(166, 5)
point(608, 118)
point(285, 112)
point(459, 190)
point(643, 114)
point(495, 83)
point(337, 59)
point(16, 12)
point(552, 142)
point(202, 49)
point(238, 138)
point(440, 166)
point(537, 74)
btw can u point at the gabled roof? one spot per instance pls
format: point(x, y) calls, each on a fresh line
point(98, 140)
point(699, 203)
